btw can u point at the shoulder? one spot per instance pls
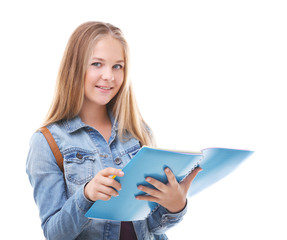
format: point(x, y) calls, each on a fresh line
point(39, 147)
point(58, 128)
point(37, 139)
point(58, 131)
point(40, 157)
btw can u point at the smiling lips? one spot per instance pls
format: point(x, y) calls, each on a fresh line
point(104, 88)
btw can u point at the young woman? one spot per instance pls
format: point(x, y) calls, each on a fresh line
point(97, 126)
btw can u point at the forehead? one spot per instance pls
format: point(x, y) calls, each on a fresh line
point(108, 47)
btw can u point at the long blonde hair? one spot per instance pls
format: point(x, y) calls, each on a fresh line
point(69, 92)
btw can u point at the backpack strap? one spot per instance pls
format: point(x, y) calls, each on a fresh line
point(54, 147)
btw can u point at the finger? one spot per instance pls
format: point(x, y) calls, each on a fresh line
point(96, 191)
point(193, 174)
point(188, 180)
point(103, 196)
point(110, 182)
point(157, 184)
point(111, 172)
point(170, 177)
point(147, 198)
point(150, 191)
point(108, 191)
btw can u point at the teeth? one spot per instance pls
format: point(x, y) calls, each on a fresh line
point(104, 88)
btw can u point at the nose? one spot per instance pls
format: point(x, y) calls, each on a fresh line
point(108, 74)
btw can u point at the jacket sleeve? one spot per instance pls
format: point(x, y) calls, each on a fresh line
point(61, 217)
point(160, 220)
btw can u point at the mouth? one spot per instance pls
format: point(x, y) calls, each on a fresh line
point(104, 88)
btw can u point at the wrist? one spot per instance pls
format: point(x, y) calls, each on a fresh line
point(177, 209)
point(86, 192)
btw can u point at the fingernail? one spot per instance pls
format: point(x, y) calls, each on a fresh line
point(121, 173)
point(147, 179)
point(140, 187)
point(167, 170)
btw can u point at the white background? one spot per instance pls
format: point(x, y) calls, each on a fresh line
point(206, 74)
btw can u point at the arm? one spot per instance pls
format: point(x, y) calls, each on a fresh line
point(61, 218)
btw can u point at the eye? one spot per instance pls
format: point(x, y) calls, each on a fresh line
point(118, 66)
point(96, 64)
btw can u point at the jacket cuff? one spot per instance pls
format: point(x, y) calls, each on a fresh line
point(161, 216)
point(167, 216)
point(82, 202)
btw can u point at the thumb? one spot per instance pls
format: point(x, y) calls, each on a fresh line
point(188, 180)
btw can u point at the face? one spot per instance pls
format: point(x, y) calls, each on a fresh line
point(105, 73)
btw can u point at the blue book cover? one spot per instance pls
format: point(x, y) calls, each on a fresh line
point(216, 163)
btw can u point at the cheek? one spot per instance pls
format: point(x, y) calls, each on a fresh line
point(91, 77)
point(120, 78)
point(89, 83)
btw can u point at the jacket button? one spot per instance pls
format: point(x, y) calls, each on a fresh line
point(118, 161)
point(79, 155)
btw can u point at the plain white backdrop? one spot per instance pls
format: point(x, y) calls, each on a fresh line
point(206, 74)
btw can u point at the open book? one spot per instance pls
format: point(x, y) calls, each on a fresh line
point(216, 163)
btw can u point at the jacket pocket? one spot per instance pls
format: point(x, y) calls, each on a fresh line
point(79, 165)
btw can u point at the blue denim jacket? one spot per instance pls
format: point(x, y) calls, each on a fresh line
point(62, 203)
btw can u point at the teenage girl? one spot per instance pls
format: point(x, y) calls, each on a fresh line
point(97, 126)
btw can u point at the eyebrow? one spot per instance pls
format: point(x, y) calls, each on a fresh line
point(101, 59)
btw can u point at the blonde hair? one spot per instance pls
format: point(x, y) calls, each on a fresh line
point(69, 92)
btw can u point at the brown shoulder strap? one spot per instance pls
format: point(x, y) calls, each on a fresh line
point(54, 147)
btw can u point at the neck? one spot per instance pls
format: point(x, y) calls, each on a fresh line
point(94, 115)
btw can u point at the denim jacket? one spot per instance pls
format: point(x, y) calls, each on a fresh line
point(62, 203)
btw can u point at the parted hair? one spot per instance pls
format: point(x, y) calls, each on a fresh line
point(69, 92)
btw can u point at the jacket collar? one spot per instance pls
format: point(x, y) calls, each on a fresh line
point(74, 124)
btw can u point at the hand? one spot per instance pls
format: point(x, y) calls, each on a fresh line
point(172, 195)
point(101, 186)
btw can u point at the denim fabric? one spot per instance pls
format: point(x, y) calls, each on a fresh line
point(62, 203)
